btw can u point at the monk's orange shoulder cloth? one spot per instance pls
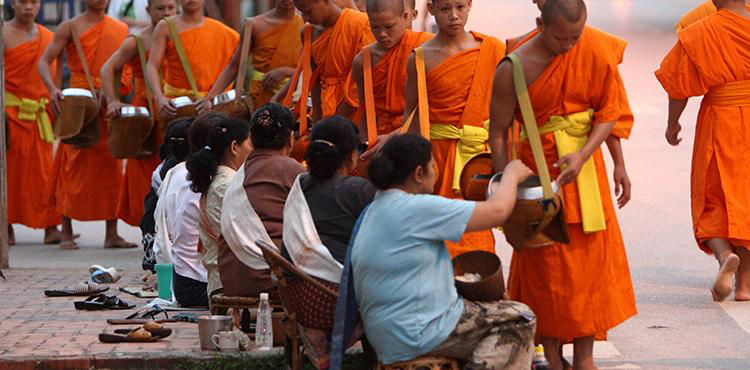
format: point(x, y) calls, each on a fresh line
point(208, 48)
point(388, 81)
point(277, 47)
point(333, 52)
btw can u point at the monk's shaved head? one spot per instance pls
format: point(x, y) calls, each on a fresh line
point(410, 4)
point(378, 6)
point(567, 10)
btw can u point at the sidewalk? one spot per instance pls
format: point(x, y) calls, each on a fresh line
point(37, 331)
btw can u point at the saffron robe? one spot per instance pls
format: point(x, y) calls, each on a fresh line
point(279, 46)
point(138, 171)
point(712, 59)
point(208, 47)
point(699, 12)
point(332, 54)
point(582, 288)
point(388, 82)
point(459, 91)
point(29, 157)
point(87, 181)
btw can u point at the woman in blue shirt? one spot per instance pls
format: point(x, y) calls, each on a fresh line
point(402, 271)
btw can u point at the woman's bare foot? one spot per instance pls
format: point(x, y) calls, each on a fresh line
point(68, 245)
point(118, 242)
point(11, 235)
point(723, 284)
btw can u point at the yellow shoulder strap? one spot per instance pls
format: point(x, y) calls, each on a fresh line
point(175, 37)
point(529, 120)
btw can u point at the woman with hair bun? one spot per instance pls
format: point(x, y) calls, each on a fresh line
point(402, 271)
point(210, 170)
point(327, 201)
point(254, 203)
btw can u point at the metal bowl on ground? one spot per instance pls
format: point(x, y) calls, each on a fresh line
point(489, 286)
point(210, 325)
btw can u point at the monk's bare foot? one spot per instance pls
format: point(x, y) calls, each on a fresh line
point(68, 245)
point(118, 242)
point(52, 235)
point(11, 235)
point(723, 284)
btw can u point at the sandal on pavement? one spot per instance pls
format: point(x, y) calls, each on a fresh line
point(81, 289)
point(149, 332)
point(102, 302)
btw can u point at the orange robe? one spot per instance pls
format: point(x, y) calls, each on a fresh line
point(624, 124)
point(137, 180)
point(388, 81)
point(279, 46)
point(582, 288)
point(29, 157)
point(208, 48)
point(332, 54)
point(699, 12)
point(459, 91)
point(712, 59)
point(87, 181)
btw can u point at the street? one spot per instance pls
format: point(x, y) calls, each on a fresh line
point(678, 325)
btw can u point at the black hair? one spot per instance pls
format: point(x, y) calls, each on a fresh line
point(200, 128)
point(271, 127)
point(377, 6)
point(568, 10)
point(398, 158)
point(176, 139)
point(332, 142)
point(203, 164)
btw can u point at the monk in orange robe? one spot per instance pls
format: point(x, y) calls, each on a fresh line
point(699, 12)
point(336, 36)
point(138, 171)
point(86, 181)
point(621, 130)
point(29, 127)
point(208, 46)
point(274, 50)
point(459, 70)
point(390, 22)
point(711, 59)
point(582, 289)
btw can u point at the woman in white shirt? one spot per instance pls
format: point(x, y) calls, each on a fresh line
point(210, 170)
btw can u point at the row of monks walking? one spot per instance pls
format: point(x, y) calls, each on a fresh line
point(423, 106)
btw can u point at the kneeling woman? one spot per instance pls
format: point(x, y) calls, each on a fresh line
point(319, 216)
point(403, 276)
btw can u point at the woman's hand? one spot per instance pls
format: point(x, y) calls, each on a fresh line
point(518, 171)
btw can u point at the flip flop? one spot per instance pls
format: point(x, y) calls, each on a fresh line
point(99, 274)
point(81, 289)
point(102, 302)
point(181, 317)
point(149, 332)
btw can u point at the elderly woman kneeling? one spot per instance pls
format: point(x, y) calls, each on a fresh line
point(402, 271)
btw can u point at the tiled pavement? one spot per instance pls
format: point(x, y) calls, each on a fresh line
point(36, 328)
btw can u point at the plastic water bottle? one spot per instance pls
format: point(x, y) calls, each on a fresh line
point(540, 362)
point(263, 327)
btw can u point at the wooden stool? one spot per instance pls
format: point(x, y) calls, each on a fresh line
point(422, 363)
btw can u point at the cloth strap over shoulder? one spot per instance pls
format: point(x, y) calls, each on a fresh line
point(175, 37)
point(239, 85)
point(422, 103)
point(142, 57)
point(304, 70)
point(372, 129)
point(84, 63)
point(529, 120)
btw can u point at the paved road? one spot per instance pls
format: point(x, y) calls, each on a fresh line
point(678, 327)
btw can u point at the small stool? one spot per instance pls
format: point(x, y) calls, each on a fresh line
point(422, 363)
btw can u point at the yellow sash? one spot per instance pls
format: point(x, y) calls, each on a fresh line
point(732, 94)
point(174, 92)
point(571, 134)
point(33, 111)
point(472, 140)
point(258, 76)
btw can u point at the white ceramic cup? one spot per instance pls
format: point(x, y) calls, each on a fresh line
point(227, 341)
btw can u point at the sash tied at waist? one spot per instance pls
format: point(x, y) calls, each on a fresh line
point(732, 94)
point(472, 140)
point(30, 110)
point(174, 92)
point(571, 134)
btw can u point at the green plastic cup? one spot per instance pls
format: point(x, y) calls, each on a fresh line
point(164, 280)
